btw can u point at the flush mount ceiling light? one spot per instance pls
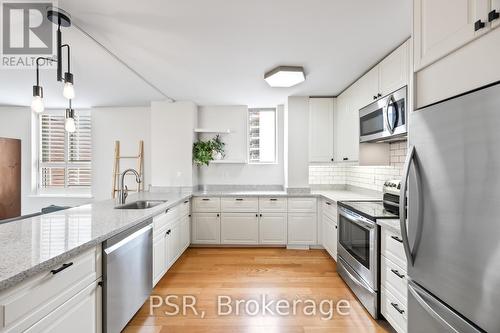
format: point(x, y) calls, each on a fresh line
point(285, 76)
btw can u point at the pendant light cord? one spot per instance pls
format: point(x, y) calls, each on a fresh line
point(130, 68)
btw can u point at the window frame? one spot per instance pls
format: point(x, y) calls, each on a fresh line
point(84, 191)
point(276, 136)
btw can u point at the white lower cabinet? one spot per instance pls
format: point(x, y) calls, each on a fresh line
point(173, 241)
point(185, 229)
point(273, 228)
point(240, 228)
point(205, 228)
point(394, 311)
point(329, 234)
point(302, 229)
point(159, 258)
point(62, 299)
point(80, 314)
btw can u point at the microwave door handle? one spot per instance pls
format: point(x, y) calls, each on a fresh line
point(390, 127)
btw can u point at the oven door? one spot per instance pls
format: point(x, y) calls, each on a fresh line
point(358, 245)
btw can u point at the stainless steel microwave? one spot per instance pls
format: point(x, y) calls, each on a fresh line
point(385, 119)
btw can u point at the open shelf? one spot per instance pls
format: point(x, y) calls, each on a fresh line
point(228, 162)
point(212, 131)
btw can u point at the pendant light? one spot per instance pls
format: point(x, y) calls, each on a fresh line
point(37, 103)
point(62, 19)
point(69, 122)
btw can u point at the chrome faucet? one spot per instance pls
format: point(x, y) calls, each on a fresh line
point(123, 192)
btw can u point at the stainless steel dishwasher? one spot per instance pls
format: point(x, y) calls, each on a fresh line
point(127, 275)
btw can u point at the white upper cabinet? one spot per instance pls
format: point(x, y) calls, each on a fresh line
point(441, 27)
point(346, 129)
point(494, 13)
point(366, 88)
point(321, 129)
point(394, 70)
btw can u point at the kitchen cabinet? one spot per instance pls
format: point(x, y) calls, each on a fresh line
point(239, 228)
point(173, 243)
point(80, 314)
point(206, 204)
point(52, 300)
point(302, 229)
point(394, 70)
point(346, 128)
point(273, 205)
point(185, 229)
point(240, 204)
point(494, 13)
point(205, 228)
point(273, 228)
point(329, 234)
point(159, 257)
point(302, 205)
point(441, 27)
point(321, 139)
point(366, 89)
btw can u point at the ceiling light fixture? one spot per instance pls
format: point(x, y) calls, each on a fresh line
point(285, 76)
point(62, 19)
point(69, 122)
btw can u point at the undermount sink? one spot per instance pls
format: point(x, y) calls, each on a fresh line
point(141, 204)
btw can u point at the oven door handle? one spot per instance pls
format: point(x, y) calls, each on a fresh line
point(355, 220)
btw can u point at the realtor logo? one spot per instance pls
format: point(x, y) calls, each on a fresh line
point(26, 33)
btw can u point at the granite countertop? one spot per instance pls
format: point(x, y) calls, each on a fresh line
point(33, 245)
point(39, 243)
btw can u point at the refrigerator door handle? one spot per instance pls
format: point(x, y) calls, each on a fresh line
point(410, 161)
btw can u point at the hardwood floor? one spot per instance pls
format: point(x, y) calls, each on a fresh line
point(207, 273)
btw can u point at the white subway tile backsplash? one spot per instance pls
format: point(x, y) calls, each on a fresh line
point(370, 177)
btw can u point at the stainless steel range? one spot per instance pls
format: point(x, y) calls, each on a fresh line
point(358, 249)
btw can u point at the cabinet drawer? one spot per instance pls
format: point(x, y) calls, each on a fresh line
point(27, 303)
point(170, 215)
point(392, 247)
point(206, 204)
point(329, 208)
point(240, 204)
point(394, 311)
point(184, 208)
point(272, 205)
point(239, 228)
point(302, 205)
point(394, 279)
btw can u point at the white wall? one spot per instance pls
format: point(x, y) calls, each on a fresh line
point(172, 138)
point(235, 118)
point(298, 141)
point(129, 125)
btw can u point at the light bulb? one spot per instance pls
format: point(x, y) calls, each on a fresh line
point(37, 104)
point(69, 90)
point(69, 125)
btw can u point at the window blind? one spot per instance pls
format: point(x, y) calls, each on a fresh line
point(65, 158)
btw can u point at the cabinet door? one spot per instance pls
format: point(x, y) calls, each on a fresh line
point(185, 232)
point(330, 236)
point(441, 27)
point(80, 314)
point(366, 89)
point(302, 229)
point(206, 228)
point(393, 70)
point(321, 129)
point(159, 259)
point(347, 128)
point(173, 244)
point(239, 228)
point(494, 8)
point(272, 228)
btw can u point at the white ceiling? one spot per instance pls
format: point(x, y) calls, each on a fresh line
point(216, 52)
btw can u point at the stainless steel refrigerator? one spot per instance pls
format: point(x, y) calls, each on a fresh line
point(452, 234)
point(10, 178)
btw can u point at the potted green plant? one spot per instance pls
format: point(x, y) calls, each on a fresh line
point(206, 151)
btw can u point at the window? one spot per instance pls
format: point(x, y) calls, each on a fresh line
point(65, 158)
point(262, 135)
